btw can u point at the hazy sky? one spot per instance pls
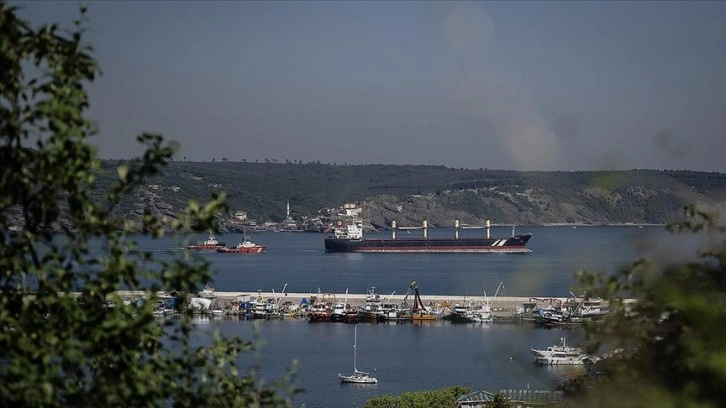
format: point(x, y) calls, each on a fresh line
point(499, 85)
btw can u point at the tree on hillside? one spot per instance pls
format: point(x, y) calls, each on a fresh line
point(501, 401)
point(669, 348)
point(62, 350)
point(442, 398)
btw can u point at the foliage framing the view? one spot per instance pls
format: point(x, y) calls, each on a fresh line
point(443, 398)
point(668, 345)
point(62, 350)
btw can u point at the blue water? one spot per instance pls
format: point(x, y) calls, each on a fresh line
point(409, 357)
point(299, 260)
point(403, 357)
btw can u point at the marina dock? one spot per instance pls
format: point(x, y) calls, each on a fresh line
point(502, 307)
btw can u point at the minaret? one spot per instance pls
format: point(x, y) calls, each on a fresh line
point(288, 208)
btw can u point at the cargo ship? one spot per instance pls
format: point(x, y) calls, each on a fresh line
point(349, 238)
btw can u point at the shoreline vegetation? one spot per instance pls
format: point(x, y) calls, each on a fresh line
point(17, 228)
point(316, 194)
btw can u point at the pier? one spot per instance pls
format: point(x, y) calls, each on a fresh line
point(502, 307)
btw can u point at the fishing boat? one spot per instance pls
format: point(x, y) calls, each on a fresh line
point(419, 312)
point(350, 238)
point(372, 306)
point(358, 377)
point(246, 246)
point(562, 347)
point(320, 312)
point(207, 293)
point(563, 358)
point(209, 244)
point(470, 312)
point(339, 312)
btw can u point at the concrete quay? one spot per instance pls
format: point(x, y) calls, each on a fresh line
point(502, 306)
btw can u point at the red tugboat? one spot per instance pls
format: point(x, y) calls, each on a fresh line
point(246, 246)
point(210, 244)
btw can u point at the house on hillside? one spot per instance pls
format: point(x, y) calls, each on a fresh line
point(351, 210)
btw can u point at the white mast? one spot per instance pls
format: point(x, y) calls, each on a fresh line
point(355, 351)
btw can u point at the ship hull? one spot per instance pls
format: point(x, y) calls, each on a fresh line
point(205, 247)
point(514, 244)
point(244, 250)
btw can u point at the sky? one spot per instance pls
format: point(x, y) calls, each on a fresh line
point(539, 85)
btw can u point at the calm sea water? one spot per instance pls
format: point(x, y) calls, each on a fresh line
point(409, 357)
point(299, 260)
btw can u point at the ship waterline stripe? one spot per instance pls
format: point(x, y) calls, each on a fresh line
point(514, 244)
point(485, 249)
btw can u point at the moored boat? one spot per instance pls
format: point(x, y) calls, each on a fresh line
point(562, 347)
point(319, 312)
point(419, 312)
point(563, 358)
point(372, 306)
point(474, 312)
point(560, 354)
point(341, 310)
point(207, 293)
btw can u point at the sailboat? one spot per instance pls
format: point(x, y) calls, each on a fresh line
point(358, 377)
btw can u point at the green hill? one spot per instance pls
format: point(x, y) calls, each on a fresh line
point(410, 194)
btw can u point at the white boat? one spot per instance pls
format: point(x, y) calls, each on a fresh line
point(340, 309)
point(471, 312)
point(556, 348)
point(207, 293)
point(563, 358)
point(358, 377)
point(561, 354)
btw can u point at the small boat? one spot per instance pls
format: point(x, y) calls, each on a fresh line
point(343, 312)
point(562, 347)
point(358, 377)
point(474, 312)
point(320, 312)
point(246, 246)
point(370, 309)
point(560, 354)
point(563, 358)
point(207, 293)
point(209, 244)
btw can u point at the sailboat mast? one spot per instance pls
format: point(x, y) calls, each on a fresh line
point(355, 349)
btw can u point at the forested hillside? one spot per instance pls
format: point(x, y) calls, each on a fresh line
point(409, 194)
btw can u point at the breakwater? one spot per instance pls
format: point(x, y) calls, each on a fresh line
point(501, 306)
